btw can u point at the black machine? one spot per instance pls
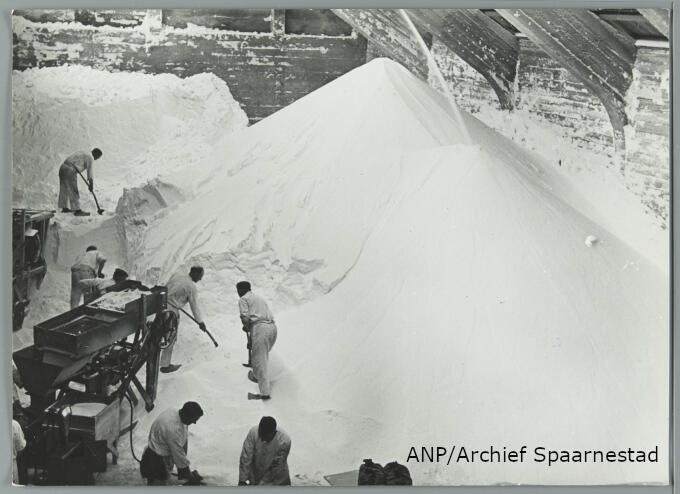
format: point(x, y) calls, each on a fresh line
point(77, 373)
point(29, 237)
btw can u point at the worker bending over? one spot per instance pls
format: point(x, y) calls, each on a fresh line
point(264, 457)
point(99, 286)
point(259, 321)
point(168, 445)
point(69, 197)
point(87, 266)
point(182, 290)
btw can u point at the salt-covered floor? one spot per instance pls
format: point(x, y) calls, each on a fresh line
point(427, 289)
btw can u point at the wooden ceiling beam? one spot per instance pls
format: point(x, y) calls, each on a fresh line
point(387, 29)
point(583, 44)
point(480, 41)
point(659, 18)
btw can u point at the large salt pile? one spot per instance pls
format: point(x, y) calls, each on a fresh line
point(427, 291)
point(145, 124)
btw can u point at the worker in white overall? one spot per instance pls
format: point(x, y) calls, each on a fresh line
point(69, 197)
point(87, 266)
point(259, 321)
point(264, 456)
point(181, 291)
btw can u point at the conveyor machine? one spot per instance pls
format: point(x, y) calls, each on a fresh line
point(78, 371)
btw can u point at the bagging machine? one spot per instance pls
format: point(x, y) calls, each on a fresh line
point(77, 373)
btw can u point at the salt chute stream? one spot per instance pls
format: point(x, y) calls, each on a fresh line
point(432, 66)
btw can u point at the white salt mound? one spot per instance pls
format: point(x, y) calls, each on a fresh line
point(426, 291)
point(145, 124)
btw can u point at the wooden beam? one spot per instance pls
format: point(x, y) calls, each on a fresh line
point(583, 44)
point(607, 16)
point(480, 41)
point(659, 18)
point(389, 31)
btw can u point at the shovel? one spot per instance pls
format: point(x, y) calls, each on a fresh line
point(192, 318)
point(99, 209)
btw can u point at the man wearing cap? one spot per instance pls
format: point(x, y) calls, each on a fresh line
point(182, 290)
point(168, 446)
point(89, 265)
point(96, 287)
point(69, 197)
point(264, 456)
point(259, 321)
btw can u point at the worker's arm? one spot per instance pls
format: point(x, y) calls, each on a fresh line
point(177, 443)
point(88, 166)
point(246, 461)
point(193, 303)
point(101, 260)
point(244, 312)
point(279, 461)
point(90, 283)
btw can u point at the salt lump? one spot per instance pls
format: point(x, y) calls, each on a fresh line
point(425, 290)
point(116, 301)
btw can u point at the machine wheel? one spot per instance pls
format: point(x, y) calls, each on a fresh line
point(164, 328)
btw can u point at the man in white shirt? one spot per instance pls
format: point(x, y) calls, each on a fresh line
point(259, 321)
point(69, 197)
point(168, 445)
point(181, 291)
point(264, 456)
point(87, 266)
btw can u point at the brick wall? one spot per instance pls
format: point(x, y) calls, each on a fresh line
point(646, 164)
point(551, 94)
point(265, 71)
point(543, 88)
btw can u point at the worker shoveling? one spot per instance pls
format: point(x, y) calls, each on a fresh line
point(69, 197)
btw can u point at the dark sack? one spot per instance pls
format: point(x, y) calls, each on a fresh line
point(371, 473)
point(396, 474)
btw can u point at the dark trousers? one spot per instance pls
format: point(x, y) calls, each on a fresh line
point(152, 467)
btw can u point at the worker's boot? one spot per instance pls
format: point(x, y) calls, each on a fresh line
point(66, 210)
point(80, 212)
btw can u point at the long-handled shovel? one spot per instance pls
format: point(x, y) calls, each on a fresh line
point(193, 319)
point(99, 209)
point(249, 346)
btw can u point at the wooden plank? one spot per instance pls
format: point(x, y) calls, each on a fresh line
point(658, 18)
point(619, 17)
point(246, 20)
point(316, 21)
point(584, 45)
point(344, 479)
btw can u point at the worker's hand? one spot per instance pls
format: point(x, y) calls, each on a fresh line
point(90, 185)
point(202, 326)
